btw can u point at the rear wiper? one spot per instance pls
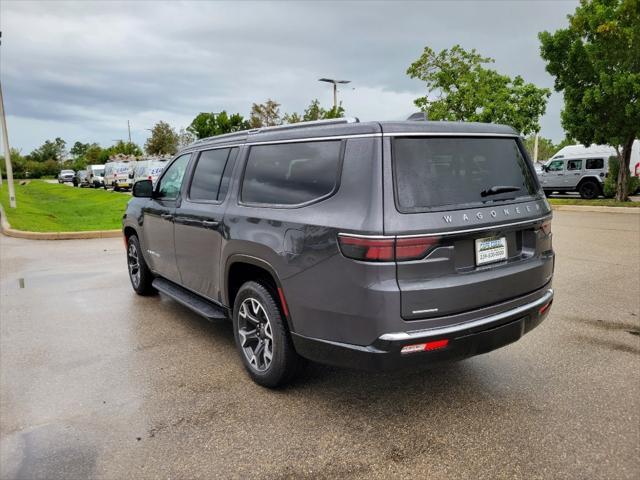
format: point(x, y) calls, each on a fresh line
point(498, 189)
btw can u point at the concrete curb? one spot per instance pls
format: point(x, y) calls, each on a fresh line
point(596, 208)
point(10, 232)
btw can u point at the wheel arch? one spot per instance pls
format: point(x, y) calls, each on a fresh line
point(242, 268)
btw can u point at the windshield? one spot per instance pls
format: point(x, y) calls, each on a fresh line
point(432, 173)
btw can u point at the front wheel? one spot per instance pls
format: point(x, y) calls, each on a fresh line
point(139, 273)
point(262, 338)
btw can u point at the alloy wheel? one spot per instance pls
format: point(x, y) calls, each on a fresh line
point(134, 264)
point(256, 336)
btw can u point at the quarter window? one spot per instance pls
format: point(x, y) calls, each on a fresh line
point(170, 183)
point(574, 164)
point(291, 173)
point(208, 175)
point(595, 163)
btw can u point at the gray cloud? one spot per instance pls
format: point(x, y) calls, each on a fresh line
point(81, 69)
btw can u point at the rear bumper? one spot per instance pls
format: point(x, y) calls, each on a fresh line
point(464, 340)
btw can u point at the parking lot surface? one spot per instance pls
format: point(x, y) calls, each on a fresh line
point(97, 382)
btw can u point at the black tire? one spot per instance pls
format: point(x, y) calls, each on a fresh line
point(139, 273)
point(589, 190)
point(285, 363)
point(104, 186)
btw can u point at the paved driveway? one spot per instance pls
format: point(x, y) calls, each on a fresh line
point(99, 383)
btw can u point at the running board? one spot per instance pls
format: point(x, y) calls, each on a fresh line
point(201, 306)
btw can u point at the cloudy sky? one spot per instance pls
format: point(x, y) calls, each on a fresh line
point(80, 70)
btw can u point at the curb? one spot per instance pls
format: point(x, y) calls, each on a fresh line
point(6, 229)
point(595, 208)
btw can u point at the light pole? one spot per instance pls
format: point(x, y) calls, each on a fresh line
point(335, 88)
point(7, 154)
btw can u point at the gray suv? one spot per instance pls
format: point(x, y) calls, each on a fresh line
point(373, 245)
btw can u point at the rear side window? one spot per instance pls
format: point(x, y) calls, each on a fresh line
point(574, 164)
point(291, 173)
point(433, 173)
point(595, 163)
point(208, 174)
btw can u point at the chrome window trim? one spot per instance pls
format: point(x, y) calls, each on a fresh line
point(460, 327)
point(316, 139)
point(448, 134)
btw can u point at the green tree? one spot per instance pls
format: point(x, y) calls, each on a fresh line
point(546, 147)
point(79, 149)
point(18, 163)
point(163, 140)
point(125, 148)
point(461, 88)
point(596, 64)
point(49, 150)
point(265, 114)
point(314, 112)
point(210, 124)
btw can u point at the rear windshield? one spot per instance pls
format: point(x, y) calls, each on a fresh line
point(437, 173)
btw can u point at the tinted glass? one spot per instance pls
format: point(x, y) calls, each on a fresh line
point(207, 175)
point(171, 181)
point(574, 164)
point(439, 172)
point(595, 163)
point(556, 166)
point(292, 173)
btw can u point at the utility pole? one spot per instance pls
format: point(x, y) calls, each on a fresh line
point(7, 153)
point(535, 148)
point(335, 89)
point(129, 129)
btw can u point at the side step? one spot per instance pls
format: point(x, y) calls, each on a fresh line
point(201, 306)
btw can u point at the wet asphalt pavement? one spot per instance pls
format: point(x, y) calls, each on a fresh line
point(97, 382)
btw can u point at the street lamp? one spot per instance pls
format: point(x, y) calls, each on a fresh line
point(335, 88)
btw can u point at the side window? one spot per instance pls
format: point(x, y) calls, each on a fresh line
point(574, 164)
point(169, 186)
point(207, 175)
point(556, 166)
point(595, 163)
point(291, 173)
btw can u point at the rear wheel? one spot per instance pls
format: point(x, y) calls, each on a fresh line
point(589, 190)
point(139, 273)
point(262, 338)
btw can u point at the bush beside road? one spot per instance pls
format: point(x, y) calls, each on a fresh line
point(598, 202)
point(46, 207)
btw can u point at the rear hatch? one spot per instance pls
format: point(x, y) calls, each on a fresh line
point(472, 222)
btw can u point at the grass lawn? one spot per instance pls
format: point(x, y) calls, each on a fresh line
point(598, 202)
point(51, 207)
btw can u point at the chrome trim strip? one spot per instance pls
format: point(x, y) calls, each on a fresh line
point(477, 229)
point(448, 134)
point(315, 139)
point(450, 232)
point(460, 327)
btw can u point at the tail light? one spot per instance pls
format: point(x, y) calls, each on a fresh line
point(386, 249)
point(546, 227)
point(425, 347)
point(637, 169)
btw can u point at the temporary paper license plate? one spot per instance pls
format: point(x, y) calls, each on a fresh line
point(490, 249)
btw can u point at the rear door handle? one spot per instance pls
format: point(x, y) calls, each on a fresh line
point(166, 216)
point(210, 223)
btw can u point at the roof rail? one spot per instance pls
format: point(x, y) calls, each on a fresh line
point(288, 126)
point(312, 123)
point(418, 117)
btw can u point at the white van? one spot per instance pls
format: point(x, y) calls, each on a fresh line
point(95, 176)
point(116, 174)
point(149, 169)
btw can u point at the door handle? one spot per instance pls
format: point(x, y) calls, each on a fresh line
point(166, 216)
point(210, 223)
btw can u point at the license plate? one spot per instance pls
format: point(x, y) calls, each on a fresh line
point(490, 249)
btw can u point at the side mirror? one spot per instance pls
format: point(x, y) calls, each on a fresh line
point(143, 189)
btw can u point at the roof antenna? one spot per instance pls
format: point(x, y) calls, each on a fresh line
point(418, 117)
